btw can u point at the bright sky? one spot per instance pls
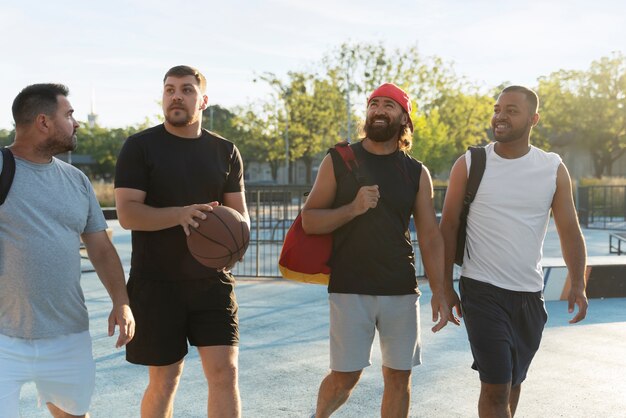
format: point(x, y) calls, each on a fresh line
point(119, 50)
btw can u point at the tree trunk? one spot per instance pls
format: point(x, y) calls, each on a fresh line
point(612, 158)
point(598, 166)
point(274, 169)
point(607, 163)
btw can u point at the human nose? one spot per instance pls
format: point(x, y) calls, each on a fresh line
point(176, 97)
point(378, 111)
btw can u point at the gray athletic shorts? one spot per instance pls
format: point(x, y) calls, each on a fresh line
point(354, 320)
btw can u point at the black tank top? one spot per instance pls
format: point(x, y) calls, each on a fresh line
point(372, 254)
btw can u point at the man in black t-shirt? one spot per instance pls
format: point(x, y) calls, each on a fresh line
point(166, 178)
point(372, 283)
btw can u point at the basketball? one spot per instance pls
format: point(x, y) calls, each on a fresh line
point(221, 239)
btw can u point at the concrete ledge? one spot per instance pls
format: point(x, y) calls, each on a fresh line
point(605, 277)
point(109, 213)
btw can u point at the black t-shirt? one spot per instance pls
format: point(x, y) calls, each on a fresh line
point(372, 254)
point(175, 171)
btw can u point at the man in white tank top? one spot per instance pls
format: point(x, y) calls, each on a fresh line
point(501, 283)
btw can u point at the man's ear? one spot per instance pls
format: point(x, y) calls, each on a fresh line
point(405, 118)
point(42, 122)
point(535, 119)
point(205, 102)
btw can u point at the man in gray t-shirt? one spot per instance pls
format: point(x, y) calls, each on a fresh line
point(44, 325)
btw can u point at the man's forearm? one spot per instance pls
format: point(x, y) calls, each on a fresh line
point(449, 233)
point(575, 257)
point(138, 216)
point(109, 269)
point(325, 221)
point(433, 258)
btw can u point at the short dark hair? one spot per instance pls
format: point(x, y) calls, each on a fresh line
point(184, 70)
point(36, 99)
point(531, 96)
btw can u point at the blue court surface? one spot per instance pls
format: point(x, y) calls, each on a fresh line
point(579, 371)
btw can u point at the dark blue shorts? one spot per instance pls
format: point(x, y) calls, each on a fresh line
point(504, 328)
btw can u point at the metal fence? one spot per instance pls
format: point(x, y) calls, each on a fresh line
point(272, 211)
point(602, 207)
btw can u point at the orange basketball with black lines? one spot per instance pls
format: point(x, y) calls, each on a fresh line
point(221, 239)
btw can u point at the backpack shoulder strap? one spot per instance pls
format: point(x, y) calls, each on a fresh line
point(8, 172)
point(347, 155)
point(479, 159)
point(346, 152)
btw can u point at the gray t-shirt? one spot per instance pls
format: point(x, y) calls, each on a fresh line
point(48, 207)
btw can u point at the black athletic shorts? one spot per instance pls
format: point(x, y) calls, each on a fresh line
point(504, 328)
point(168, 314)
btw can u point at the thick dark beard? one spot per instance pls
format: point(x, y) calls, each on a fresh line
point(57, 145)
point(383, 134)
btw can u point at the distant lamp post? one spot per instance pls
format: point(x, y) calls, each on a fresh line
point(348, 55)
point(211, 118)
point(348, 106)
point(288, 176)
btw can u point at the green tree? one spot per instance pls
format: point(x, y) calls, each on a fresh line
point(6, 137)
point(103, 145)
point(310, 110)
point(315, 105)
point(219, 120)
point(258, 135)
point(316, 109)
point(443, 101)
point(430, 138)
point(256, 138)
point(588, 108)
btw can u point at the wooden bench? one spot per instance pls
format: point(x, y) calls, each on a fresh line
point(617, 243)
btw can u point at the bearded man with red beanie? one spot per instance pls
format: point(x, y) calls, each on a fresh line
point(373, 285)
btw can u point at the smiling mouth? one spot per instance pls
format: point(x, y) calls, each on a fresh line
point(501, 126)
point(380, 121)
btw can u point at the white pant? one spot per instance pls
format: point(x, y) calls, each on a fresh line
point(62, 368)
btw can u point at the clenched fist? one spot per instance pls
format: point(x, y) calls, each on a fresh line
point(366, 198)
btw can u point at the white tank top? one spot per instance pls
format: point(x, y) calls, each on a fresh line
point(508, 219)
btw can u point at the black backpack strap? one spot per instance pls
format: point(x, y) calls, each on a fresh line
point(479, 157)
point(8, 172)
